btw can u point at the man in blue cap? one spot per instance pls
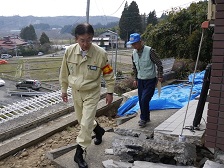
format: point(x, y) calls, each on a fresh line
point(145, 61)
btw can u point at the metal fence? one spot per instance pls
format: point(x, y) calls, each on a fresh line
point(30, 105)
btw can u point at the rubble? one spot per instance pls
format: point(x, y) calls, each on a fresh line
point(131, 148)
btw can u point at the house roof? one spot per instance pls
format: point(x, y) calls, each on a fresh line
point(10, 42)
point(97, 40)
point(101, 38)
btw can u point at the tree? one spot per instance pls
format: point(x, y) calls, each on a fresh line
point(99, 31)
point(163, 16)
point(123, 24)
point(134, 18)
point(152, 19)
point(130, 21)
point(28, 33)
point(44, 39)
point(178, 35)
point(68, 29)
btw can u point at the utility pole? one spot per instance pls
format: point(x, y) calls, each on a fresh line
point(87, 11)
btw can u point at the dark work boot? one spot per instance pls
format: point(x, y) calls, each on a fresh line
point(78, 158)
point(99, 131)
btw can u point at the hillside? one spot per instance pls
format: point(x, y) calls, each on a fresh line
point(11, 24)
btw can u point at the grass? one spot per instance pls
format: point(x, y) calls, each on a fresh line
point(43, 69)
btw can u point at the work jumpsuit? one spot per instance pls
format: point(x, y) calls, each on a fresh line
point(83, 75)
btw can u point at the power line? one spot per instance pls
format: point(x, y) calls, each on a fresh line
point(118, 8)
point(177, 7)
point(103, 12)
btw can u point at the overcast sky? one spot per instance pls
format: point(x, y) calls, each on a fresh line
point(78, 7)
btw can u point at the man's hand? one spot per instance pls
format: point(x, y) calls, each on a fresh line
point(64, 97)
point(160, 79)
point(135, 83)
point(109, 99)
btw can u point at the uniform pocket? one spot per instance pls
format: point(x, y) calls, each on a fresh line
point(72, 67)
point(93, 72)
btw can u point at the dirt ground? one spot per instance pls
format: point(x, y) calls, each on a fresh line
point(34, 156)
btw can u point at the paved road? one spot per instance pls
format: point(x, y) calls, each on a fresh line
point(5, 98)
point(123, 56)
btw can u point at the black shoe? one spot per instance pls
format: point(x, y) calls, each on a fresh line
point(99, 131)
point(143, 120)
point(78, 158)
point(142, 123)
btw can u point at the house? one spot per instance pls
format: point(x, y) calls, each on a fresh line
point(110, 39)
point(102, 42)
point(10, 43)
point(214, 133)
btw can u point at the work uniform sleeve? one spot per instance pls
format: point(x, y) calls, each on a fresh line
point(156, 60)
point(63, 76)
point(108, 75)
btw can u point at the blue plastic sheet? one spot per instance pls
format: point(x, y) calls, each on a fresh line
point(129, 104)
point(198, 77)
point(171, 97)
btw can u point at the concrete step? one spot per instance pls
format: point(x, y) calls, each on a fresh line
point(181, 123)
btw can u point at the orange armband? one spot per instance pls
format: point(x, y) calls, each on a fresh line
point(107, 69)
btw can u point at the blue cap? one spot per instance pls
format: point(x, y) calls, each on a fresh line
point(135, 37)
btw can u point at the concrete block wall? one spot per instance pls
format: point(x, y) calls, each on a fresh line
point(214, 133)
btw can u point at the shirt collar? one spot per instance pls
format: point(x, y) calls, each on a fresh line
point(141, 50)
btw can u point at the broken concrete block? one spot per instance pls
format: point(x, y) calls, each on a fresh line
point(109, 151)
point(183, 153)
point(133, 133)
point(115, 164)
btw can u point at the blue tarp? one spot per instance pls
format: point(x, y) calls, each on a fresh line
point(172, 96)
